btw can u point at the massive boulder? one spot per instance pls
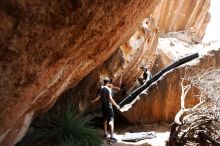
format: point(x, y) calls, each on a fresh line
point(186, 21)
point(48, 46)
point(123, 66)
point(162, 101)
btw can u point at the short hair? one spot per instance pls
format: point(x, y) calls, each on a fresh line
point(106, 81)
point(111, 80)
point(143, 67)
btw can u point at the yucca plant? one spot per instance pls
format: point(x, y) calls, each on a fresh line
point(64, 127)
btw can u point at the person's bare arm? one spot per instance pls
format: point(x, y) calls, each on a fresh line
point(113, 102)
point(116, 88)
point(96, 99)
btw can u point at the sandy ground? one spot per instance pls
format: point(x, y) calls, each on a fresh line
point(161, 129)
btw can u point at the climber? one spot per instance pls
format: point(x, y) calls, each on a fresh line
point(107, 110)
point(101, 84)
point(146, 75)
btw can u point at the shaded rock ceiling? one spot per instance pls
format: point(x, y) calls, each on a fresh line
point(48, 46)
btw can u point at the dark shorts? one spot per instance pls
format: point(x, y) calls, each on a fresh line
point(107, 113)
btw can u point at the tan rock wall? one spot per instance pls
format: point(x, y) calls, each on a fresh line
point(162, 101)
point(122, 66)
point(145, 54)
point(175, 15)
point(46, 46)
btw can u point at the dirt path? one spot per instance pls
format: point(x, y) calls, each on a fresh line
point(162, 135)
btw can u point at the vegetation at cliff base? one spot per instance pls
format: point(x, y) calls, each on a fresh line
point(64, 127)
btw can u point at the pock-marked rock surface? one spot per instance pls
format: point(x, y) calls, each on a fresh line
point(49, 46)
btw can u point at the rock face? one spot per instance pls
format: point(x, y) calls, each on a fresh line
point(191, 15)
point(162, 101)
point(140, 49)
point(122, 66)
point(48, 46)
point(185, 20)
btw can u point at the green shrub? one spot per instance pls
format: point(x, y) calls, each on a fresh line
point(64, 127)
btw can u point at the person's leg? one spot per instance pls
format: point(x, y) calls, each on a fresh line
point(111, 124)
point(105, 127)
point(105, 122)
